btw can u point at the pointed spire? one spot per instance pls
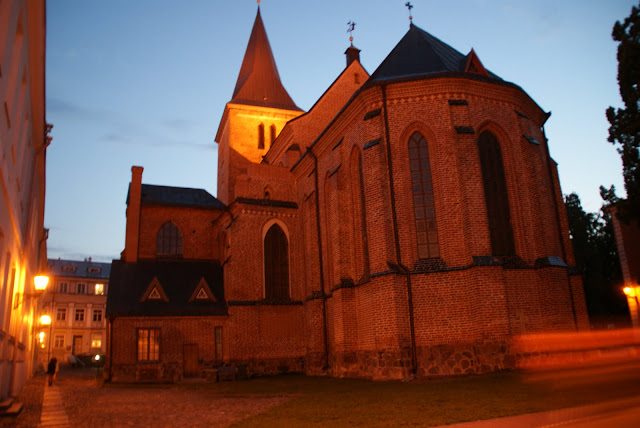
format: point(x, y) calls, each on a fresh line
point(258, 81)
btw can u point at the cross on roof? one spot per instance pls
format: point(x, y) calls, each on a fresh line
point(350, 27)
point(408, 5)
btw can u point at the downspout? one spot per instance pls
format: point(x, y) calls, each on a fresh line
point(405, 270)
point(558, 223)
point(320, 266)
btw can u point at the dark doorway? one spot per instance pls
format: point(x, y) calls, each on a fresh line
point(190, 360)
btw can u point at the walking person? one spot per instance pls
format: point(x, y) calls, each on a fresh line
point(52, 367)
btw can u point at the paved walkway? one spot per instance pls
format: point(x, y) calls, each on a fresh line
point(53, 413)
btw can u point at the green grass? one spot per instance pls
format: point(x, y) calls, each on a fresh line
point(319, 401)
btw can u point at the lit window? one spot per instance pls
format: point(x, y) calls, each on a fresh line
point(99, 289)
point(79, 314)
point(423, 201)
point(63, 287)
point(169, 240)
point(148, 344)
point(97, 314)
point(82, 288)
point(96, 341)
point(59, 342)
point(61, 314)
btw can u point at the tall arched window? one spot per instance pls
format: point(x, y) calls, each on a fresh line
point(423, 201)
point(360, 247)
point(495, 193)
point(169, 241)
point(272, 134)
point(261, 136)
point(276, 264)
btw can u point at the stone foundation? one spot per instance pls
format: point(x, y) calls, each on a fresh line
point(460, 359)
point(268, 367)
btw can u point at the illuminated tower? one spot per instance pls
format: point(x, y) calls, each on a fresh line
point(258, 111)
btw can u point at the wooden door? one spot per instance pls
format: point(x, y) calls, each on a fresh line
point(190, 360)
point(77, 345)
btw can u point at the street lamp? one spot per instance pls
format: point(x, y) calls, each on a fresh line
point(41, 282)
point(633, 292)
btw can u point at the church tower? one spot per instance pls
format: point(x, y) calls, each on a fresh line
point(258, 111)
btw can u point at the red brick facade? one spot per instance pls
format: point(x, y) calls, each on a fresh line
point(337, 181)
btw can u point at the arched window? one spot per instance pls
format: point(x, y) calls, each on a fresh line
point(423, 201)
point(169, 241)
point(276, 264)
point(360, 248)
point(261, 136)
point(272, 132)
point(495, 193)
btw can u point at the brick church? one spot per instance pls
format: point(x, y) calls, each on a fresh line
point(410, 223)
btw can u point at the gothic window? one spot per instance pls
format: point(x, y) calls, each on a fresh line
point(169, 241)
point(359, 217)
point(261, 136)
point(276, 264)
point(495, 192)
point(272, 130)
point(423, 202)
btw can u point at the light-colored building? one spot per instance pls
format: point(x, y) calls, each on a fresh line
point(23, 143)
point(75, 300)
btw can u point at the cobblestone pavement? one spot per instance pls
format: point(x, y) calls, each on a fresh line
point(91, 404)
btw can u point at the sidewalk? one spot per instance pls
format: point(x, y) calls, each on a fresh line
point(623, 413)
point(53, 413)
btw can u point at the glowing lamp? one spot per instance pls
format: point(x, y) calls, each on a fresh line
point(41, 282)
point(45, 320)
point(97, 358)
point(629, 291)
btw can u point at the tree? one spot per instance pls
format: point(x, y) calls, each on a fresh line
point(625, 122)
point(596, 256)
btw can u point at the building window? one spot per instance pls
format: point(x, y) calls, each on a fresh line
point(79, 314)
point(169, 241)
point(272, 132)
point(423, 202)
point(61, 314)
point(495, 192)
point(93, 269)
point(63, 287)
point(82, 288)
point(276, 264)
point(261, 136)
point(97, 314)
point(96, 341)
point(68, 268)
point(99, 289)
point(218, 336)
point(148, 344)
point(59, 341)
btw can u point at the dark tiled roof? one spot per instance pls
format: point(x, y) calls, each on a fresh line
point(79, 269)
point(169, 195)
point(420, 54)
point(178, 279)
point(258, 81)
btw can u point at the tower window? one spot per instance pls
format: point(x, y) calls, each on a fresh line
point(261, 136)
point(272, 130)
point(423, 202)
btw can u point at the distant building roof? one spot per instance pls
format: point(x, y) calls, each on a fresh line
point(258, 81)
point(79, 269)
point(169, 195)
point(421, 54)
point(176, 281)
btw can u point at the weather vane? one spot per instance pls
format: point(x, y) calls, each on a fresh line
point(408, 5)
point(350, 27)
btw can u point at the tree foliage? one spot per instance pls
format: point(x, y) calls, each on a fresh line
point(596, 256)
point(624, 131)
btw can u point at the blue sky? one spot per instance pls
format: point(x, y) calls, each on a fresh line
point(144, 82)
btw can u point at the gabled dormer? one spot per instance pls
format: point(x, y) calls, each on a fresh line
point(154, 292)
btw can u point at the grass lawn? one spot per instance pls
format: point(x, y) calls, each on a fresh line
point(320, 401)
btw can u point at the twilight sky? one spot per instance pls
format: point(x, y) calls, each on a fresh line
point(145, 82)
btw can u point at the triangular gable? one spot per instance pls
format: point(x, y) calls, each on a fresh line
point(154, 292)
point(474, 65)
point(202, 293)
